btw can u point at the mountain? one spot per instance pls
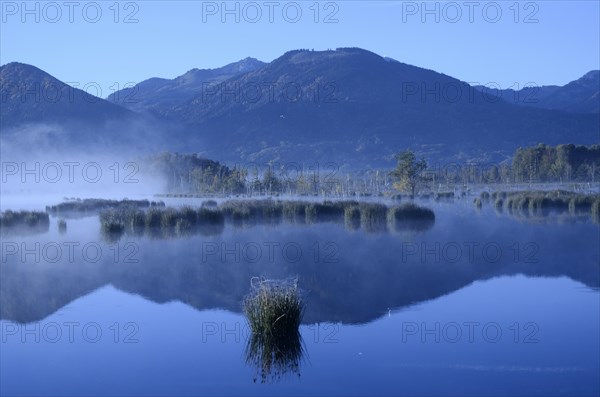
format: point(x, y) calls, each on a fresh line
point(347, 107)
point(30, 95)
point(579, 96)
point(353, 106)
point(158, 93)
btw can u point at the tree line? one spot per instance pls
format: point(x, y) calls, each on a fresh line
point(193, 174)
point(562, 163)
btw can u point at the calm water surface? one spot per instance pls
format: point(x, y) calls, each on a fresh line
point(479, 304)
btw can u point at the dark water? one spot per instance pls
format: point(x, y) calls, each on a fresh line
point(479, 304)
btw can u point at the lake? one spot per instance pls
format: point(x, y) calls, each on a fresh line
point(478, 304)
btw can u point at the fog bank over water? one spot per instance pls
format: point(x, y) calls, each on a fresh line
point(34, 177)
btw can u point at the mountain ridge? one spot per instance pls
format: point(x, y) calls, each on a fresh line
point(348, 105)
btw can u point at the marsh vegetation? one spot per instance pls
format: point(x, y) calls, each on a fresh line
point(274, 311)
point(543, 203)
point(89, 207)
point(181, 221)
point(24, 222)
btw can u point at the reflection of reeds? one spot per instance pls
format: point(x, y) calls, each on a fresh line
point(294, 211)
point(373, 217)
point(411, 217)
point(274, 310)
point(543, 203)
point(499, 204)
point(274, 358)
point(581, 204)
point(596, 210)
point(352, 217)
point(328, 211)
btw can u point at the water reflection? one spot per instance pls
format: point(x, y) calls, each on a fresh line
point(337, 267)
point(274, 358)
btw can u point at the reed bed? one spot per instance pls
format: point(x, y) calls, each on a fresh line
point(62, 226)
point(186, 220)
point(88, 207)
point(545, 203)
point(27, 222)
point(373, 217)
point(411, 217)
point(165, 222)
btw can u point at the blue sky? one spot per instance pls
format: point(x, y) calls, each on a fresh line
point(506, 43)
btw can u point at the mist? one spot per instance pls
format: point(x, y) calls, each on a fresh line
point(44, 164)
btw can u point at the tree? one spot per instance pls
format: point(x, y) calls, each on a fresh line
point(408, 172)
point(270, 181)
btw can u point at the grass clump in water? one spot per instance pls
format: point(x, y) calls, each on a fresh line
point(24, 221)
point(62, 226)
point(153, 218)
point(207, 216)
point(274, 309)
point(23, 218)
point(410, 216)
point(253, 211)
point(373, 217)
point(294, 211)
point(323, 212)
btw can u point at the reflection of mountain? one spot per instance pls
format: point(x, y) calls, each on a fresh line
point(357, 289)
